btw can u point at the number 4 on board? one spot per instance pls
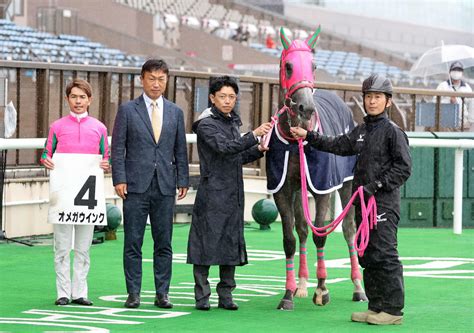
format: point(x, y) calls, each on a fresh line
point(90, 202)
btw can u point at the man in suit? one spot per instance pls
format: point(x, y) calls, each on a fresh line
point(149, 159)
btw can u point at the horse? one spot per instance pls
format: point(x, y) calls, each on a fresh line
point(325, 172)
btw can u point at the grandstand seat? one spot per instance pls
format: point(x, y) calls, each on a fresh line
point(7, 32)
point(256, 46)
point(272, 52)
point(72, 37)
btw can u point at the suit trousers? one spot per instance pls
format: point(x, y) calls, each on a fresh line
point(136, 208)
point(83, 235)
point(202, 289)
point(383, 271)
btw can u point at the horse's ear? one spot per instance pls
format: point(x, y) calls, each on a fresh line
point(285, 41)
point(311, 41)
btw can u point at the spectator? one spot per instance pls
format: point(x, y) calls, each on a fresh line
point(238, 35)
point(269, 42)
point(457, 84)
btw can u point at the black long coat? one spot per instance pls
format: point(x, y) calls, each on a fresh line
point(217, 229)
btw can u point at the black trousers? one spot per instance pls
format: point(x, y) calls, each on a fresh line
point(136, 208)
point(383, 271)
point(202, 289)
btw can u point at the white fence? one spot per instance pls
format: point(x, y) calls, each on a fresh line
point(458, 144)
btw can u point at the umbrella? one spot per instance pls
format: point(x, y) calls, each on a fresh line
point(437, 60)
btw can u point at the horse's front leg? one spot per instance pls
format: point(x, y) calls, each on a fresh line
point(302, 231)
point(321, 294)
point(349, 230)
point(285, 207)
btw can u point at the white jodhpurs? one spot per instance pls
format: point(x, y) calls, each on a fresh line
point(83, 235)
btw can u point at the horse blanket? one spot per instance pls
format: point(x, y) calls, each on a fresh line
point(325, 172)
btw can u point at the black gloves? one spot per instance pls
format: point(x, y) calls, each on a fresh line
point(371, 188)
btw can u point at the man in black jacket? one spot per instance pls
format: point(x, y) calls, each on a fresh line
point(217, 228)
point(383, 165)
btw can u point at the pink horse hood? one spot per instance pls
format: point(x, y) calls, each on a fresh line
point(303, 72)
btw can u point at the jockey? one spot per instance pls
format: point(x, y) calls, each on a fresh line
point(383, 165)
point(75, 133)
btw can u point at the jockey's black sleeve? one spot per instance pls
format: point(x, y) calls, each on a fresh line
point(339, 145)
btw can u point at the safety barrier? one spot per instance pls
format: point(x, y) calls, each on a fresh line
point(460, 145)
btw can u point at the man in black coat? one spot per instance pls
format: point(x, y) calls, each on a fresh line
point(217, 229)
point(383, 165)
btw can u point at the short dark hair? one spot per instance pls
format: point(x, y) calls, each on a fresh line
point(81, 84)
point(217, 83)
point(152, 65)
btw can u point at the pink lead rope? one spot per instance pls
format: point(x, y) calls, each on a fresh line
point(369, 212)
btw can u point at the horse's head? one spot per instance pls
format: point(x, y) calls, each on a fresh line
point(296, 79)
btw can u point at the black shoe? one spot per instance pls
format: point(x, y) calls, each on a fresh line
point(62, 301)
point(133, 301)
point(82, 301)
point(161, 301)
point(228, 305)
point(203, 305)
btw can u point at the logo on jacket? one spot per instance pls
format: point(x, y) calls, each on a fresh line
point(380, 218)
point(361, 138)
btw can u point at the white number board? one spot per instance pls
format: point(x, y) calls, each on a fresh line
point(76, 190)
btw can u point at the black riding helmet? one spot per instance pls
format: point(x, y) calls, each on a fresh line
point(377, 83)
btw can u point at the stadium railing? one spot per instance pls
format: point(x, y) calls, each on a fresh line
point(37, 92)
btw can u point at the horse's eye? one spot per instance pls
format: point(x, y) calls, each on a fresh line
point(288, 69)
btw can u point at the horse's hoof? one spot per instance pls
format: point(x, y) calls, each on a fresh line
point(285, 304)
point(359, 296)
point(300, 292)
point(320, 297)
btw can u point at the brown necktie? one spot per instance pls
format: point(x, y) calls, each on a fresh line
point(155, 121)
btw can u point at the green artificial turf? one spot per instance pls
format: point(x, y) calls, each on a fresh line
point(439, 271)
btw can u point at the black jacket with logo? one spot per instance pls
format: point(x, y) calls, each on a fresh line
point(383, 155)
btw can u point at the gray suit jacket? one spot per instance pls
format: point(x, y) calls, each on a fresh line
point(135, 155)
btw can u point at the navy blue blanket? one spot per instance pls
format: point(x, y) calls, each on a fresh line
point(325, 172)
